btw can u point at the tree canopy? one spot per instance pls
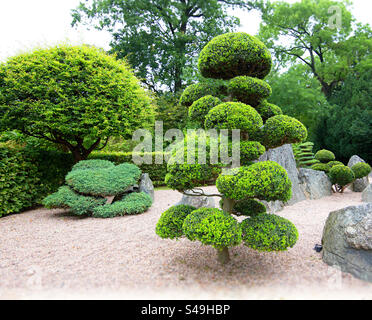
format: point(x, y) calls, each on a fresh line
point(160, 38)
point(75, 96)
point(305, 32)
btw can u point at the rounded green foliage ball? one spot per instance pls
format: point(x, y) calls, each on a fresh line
point(281, 130)
point(200, 108)
point(325, 156)
point(250, 207)
point(249, 151)
point(341, 175)
point(268, 110)
point(268, 232)
point(131, 204)
point(321, 167)
point(249, 90)
point(212, 227)
point(331, 164)
point(263, 180)
point(93, 164)
point(234, 115)
point(361, 170)
point(171, 221)
point(199, 90)
point(104, 182)
point(235, 54)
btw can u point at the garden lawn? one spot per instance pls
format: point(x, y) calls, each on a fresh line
point(51, 254)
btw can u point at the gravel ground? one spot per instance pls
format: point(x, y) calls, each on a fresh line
point(51, 254)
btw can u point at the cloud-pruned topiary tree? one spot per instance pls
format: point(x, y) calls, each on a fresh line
point(74, 96)
point(243, 62)
point(101, 189)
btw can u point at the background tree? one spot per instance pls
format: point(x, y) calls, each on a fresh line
point(243, 61)
point(160, 38)
point(77, 97)
point(301, 32)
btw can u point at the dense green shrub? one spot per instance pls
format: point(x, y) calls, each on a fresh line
point(249, 90)
point(249, 151)
point(76, 96)
point(281, 130)
point(171, 221)
point(101, 189)
point(361, 170)
point(268, 232)
point(341, 175)
point(325, 156)
point(250, 207)
point(321, 167)
point(263, 180)
point(268, 110)
point(331, 164)
point(200, 108)
point(234, 115)
point(199, 90)
point(19, 182)
point(235, 54)
point(212, 227)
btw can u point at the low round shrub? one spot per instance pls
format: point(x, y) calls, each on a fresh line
point(104, 182)
point(268, 110)
point(131, 204)
point(341, 175)
point(250, 207)
point(93, 164)
point(331, 164)
point(235, 54)
point(325, 156)
point(212, 227)
point(280, 130)
point(361, 170)
point(249, 90)
point(263, 180)
point(199, 90)
point(234, 115)
point(200, 108)
point(268, 232)
point(321, 167)
point(171, 221)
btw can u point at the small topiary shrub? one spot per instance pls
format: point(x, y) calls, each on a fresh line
point(171, 221)
point(200, 108)
point(361, 170)
point(321, 167)
point(249, 90)
point(341, 176)
point(250, 207)
point(331, 164)
point(197, 91)
point(101, 189)
point(268, 110)
point(234, 115)
point(303, 153)
point(325, 156)
point(268, 232)
point(235, 54)
point(281, 130)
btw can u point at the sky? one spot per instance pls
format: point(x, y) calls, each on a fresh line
point(25, 24)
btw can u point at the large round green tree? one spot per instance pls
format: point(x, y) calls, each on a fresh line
point(75, 96)
point(243, 62)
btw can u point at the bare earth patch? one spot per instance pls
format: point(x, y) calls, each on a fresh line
point(51, 254)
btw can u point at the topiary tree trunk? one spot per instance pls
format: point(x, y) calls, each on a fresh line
point(240, 62)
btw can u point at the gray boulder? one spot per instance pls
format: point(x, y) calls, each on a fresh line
point(315, 184)
point(284, 156)
point(367, 194)
point(198, 202)
point(360, 184)
point(147, 186)
point(347, 240)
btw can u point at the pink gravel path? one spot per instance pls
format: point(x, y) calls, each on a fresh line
point(51, 254)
